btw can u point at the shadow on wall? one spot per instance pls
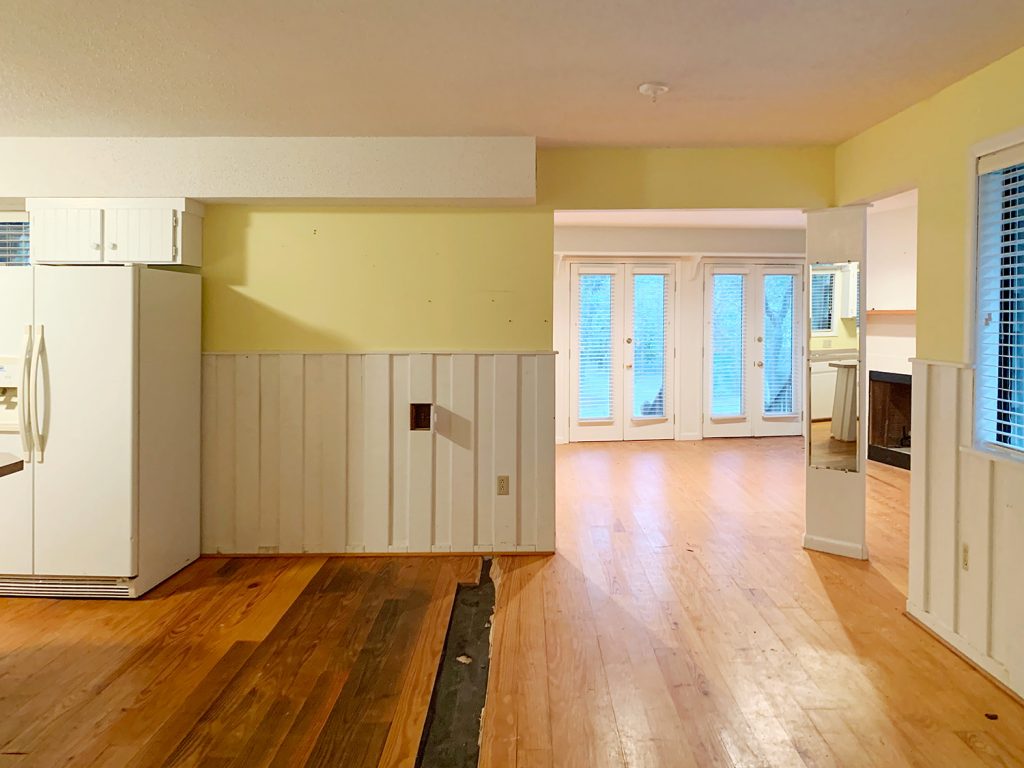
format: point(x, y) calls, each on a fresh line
point(275, 328)
point(456, 428)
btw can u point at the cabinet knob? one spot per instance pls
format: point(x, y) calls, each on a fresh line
point(113, 246)
point(96, 246)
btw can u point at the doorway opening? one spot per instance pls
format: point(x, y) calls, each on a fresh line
point(890, 334)
point(637, 313)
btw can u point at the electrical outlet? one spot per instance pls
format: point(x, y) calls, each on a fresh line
point(503, 485)
point(964, 561)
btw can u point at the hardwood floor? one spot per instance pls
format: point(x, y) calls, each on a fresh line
point(681, 624)
point(238, 662)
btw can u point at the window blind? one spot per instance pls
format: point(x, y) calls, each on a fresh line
point(999, 389)
point(823, 286)
point(595, 306)
point(728, 334)
point(778, 344)
point(14, 243)
point(649, 302)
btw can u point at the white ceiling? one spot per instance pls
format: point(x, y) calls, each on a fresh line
point(566, 71)
point(717, 218)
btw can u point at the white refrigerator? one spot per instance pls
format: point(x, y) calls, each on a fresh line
point(100, 392)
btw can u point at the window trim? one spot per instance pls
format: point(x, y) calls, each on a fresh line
point(976, 152)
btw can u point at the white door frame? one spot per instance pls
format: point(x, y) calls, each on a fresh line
point(623, 425)
point(752, 422)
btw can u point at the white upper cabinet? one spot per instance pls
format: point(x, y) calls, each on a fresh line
point(116, 231)
point(66, 236)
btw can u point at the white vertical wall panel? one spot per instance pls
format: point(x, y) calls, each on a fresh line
point(506, 453)
point(964, 498)
point(544, 485)
point(210, 473)
point(457, 429)
point(291, 458)
point(527, 449)
point(941, 460)
point(334, 448)
point(485, 441)
point(376, 452)
point(270, 452)
point(313, 453)
point(247, 452)
point(421, 458)
point(442, 448)
point(400, 447)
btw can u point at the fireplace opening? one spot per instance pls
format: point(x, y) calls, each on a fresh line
point(889, 418)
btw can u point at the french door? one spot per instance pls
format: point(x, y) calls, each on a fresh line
point(752, 350)
point(622, 352)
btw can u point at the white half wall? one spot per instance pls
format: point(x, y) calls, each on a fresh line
point(280, 169)
point(966, 529)
point(313, 453)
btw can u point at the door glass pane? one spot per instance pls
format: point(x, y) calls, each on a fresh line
point(727, 339)
point(649, 345)
point(594, 397)
point(778, 344)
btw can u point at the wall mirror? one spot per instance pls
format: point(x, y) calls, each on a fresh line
point(834, 352)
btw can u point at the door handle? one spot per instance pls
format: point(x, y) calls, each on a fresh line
point(37, 437)
point(759, 363)
point(24, 399)
point(629, 365)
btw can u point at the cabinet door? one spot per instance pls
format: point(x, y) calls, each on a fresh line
point(85, 487)
point(141, 235)
point(66, 236)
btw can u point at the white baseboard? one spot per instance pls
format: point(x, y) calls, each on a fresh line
point(963, 647)
point(836, 547)
point(687, 437)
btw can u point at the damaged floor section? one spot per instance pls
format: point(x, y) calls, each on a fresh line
point(451, 736)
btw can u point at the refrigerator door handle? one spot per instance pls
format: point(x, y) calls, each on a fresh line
point(37, 438)
point(24, 399)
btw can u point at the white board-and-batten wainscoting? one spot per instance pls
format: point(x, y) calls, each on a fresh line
point(313, 453)
point(966, 580)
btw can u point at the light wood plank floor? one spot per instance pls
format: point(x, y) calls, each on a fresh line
point(681, 624)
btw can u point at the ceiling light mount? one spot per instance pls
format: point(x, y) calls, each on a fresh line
point(653, 90)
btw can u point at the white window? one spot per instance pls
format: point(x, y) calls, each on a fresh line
point(13, 239)
point(999, 354)
point(823, 304)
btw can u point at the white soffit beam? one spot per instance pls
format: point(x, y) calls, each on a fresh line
point(491, 170)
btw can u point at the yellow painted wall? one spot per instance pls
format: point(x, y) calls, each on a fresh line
point(753, 177)
point(846, 337)
point(926, 146)
point(349, 279)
